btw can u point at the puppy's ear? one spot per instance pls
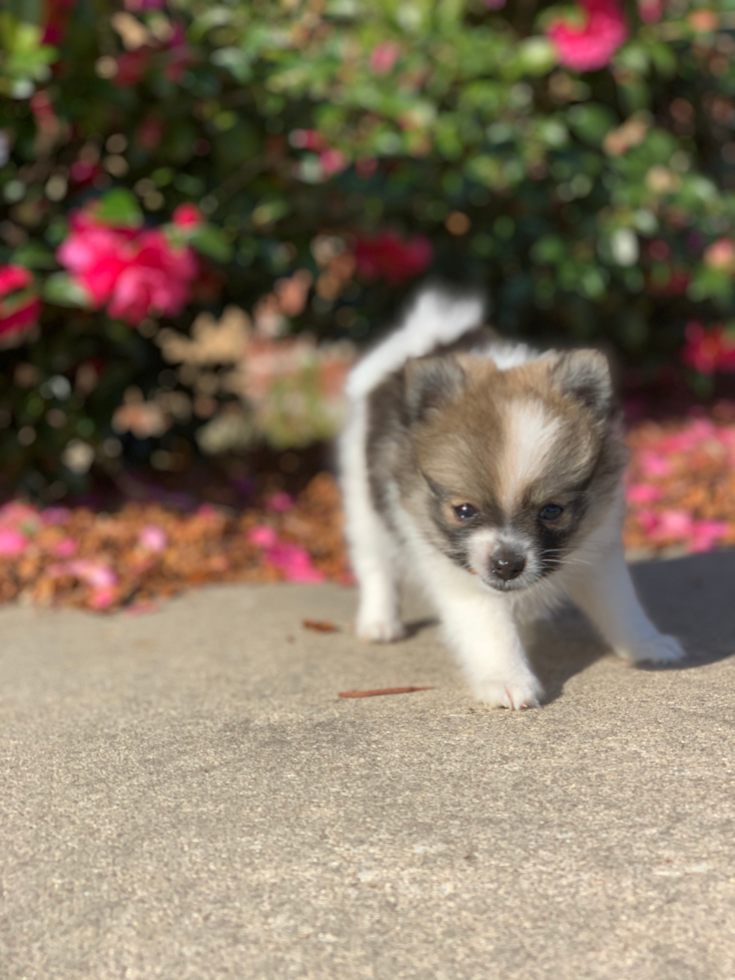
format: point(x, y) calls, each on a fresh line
point(584, 375)
point(431, 382)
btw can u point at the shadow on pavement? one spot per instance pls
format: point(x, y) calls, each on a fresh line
point(692, 598)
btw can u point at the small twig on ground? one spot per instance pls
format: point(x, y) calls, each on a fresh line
point(382, 690)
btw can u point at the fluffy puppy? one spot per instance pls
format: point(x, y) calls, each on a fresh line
point(493, 474)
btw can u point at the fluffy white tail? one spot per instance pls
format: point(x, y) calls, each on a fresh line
point(434, 318)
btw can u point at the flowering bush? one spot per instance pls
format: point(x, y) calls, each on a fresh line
point(307, 163)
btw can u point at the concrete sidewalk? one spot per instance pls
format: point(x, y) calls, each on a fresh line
point(184, 797)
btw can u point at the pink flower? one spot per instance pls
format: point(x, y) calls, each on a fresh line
point(708, 351)
point(95, 254)
point(157, 280)
point(153, 538)
point(137, 272)
point(19, 302)
point(333, 161)
point(387, 256)
point(14, 277)
point(187, 216)
point(384, 56)
point(591, 44)
point(12, 542)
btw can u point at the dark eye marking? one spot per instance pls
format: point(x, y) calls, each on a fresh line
point(550, 513)
point(465, 512)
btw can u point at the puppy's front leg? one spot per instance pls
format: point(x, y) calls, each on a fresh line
point(482, 630)
point(605, 593)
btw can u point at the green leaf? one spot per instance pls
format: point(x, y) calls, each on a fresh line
point(210, 241)
point(549, 248)
point(536, 55)
point(591, 122)
point(119, 207)
point(664, 57)
point(34, 255)
point(61, 290)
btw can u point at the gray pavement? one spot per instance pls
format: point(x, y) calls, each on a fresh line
point(184, 797)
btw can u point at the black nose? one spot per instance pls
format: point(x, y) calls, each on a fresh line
point(506, 564)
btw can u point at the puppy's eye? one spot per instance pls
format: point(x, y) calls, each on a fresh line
point(550, 513)
point(465, 512)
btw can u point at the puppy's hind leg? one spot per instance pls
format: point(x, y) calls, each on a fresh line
point(373, 551)
point(375, 562)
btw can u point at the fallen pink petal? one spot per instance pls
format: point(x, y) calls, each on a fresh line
point(655, 463)
point(263, 536)
point(65, 548)
point(102, 598)
point(94, 573)
point(12, 542)
point(153, 539)
point(643, 493)
point(280, 502)
point(674, 524)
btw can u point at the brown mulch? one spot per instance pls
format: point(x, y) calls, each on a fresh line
point(680, 488)
point(210, 545)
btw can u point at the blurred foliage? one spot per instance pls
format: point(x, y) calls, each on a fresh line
point(587, 204)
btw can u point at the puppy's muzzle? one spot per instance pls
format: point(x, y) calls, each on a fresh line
point(506, 564)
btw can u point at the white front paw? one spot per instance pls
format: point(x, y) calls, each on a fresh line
point(515, 694)
point(385, 628)
point(660, 650)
